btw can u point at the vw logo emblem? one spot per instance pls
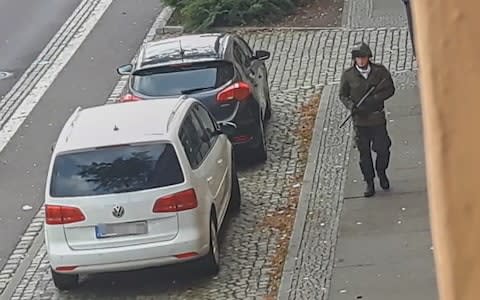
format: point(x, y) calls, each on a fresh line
point(118, 211)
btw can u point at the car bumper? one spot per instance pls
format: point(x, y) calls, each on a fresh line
point(128, 257)
point(246, 136)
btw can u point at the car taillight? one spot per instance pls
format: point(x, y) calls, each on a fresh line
point(59, 215)
point(238, 91)
point(181, 201)
point(129, 98)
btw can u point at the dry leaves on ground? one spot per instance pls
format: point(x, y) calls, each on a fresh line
point(281, 222)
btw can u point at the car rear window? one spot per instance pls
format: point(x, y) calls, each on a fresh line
point(177, 79)
point(118, 169)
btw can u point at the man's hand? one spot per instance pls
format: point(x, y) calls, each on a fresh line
point(359, 110)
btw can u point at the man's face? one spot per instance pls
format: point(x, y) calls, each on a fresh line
point(362, 62)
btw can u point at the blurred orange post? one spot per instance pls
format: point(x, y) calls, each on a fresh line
point(447, 36)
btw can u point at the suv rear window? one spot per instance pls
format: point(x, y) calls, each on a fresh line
point(180, 79)
point(118, 169)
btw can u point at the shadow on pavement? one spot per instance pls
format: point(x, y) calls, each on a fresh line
point(153, 281)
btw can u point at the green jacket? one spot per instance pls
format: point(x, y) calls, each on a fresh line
point(353, 86)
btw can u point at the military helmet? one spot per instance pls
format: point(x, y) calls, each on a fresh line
point(361, 50)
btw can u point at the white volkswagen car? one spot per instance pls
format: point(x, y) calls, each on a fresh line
point(137, 185)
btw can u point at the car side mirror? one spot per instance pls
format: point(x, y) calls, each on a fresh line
point(52, 148)
point(125, 69)
point(261, 55)
point(227, 128)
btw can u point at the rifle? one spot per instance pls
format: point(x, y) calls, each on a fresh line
point(359, 103)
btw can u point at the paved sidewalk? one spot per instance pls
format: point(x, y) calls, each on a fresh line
point(347, 247)
point(384, 248)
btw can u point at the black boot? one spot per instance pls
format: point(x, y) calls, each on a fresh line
point(370, 190)
point(384, 182)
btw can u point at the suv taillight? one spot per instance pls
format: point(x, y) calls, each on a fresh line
point(59, 215)
point(238, 91)
point(129, 98)
point(181, 201)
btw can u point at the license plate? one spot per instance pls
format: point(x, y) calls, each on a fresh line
point(120, 229)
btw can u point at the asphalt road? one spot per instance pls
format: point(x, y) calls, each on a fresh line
point(87, 80)
point(26, 26)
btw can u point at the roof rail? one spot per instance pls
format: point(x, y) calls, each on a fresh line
point(75, 115)
point(71, 121)
point(174, 110)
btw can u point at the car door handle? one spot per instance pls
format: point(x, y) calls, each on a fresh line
point(209, 179)
point(220, 161)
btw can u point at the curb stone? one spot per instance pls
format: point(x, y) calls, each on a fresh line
point(301, 29)
point(347, 12)
point(19, 254)
point(307, 188)
point(325, 124)
point(309, 263)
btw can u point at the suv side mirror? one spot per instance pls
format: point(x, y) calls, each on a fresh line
point(125, 69)
point(261, 55)
point(227, 128)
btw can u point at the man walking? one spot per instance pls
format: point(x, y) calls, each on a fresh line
point(369, 118)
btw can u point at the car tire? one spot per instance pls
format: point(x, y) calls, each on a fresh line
point(260, 152)
point(65, 282)
point(268, 109)
point(235, 196)
point(211, 262)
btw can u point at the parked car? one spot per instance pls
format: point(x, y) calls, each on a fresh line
point(137, 185)
point(220, 70)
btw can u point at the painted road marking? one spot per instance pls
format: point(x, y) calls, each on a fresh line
point(19, 102)
point(30, 88)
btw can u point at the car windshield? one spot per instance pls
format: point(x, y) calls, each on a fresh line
point(118, 169)
point(181, 79)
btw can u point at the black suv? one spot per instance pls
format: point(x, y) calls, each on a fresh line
point(220, 70)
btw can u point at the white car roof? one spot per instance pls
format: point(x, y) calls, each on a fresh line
point(116, 124)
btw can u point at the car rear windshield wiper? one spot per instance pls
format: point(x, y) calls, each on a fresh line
point(191, 91)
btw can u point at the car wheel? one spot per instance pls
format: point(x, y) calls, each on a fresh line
point(260, 152)
point(65, 282)
point(211, 262)
point(235, 197)
point(268, 110)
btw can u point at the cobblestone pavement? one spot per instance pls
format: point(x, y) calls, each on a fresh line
point(302, 63)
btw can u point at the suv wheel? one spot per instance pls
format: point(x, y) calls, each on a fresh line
point(260, 153)
point(268, 110)
point(235, 196)
point(211, 262)
point(65, 282)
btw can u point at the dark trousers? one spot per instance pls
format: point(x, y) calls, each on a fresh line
point(373, 138)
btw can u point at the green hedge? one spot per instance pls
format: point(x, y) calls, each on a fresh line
point(200, 14)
